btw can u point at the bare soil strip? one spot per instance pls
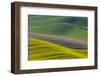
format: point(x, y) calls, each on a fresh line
point(66, 42)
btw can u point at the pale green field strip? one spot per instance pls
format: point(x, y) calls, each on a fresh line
point(43, 50)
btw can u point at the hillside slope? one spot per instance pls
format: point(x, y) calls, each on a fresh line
point(43, 50)
point(72, 27)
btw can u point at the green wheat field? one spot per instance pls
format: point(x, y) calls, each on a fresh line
point(57, 37)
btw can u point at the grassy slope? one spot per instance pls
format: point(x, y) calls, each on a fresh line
point(43, 50)
point(61, 26)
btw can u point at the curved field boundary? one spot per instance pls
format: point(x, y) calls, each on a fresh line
point(66, 42)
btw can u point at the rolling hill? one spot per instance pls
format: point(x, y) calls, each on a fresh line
point(72, 27)
point(57, 37)
point(43, 50)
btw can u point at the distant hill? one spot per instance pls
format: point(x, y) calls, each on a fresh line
point(81, 22)
point(72, 27)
